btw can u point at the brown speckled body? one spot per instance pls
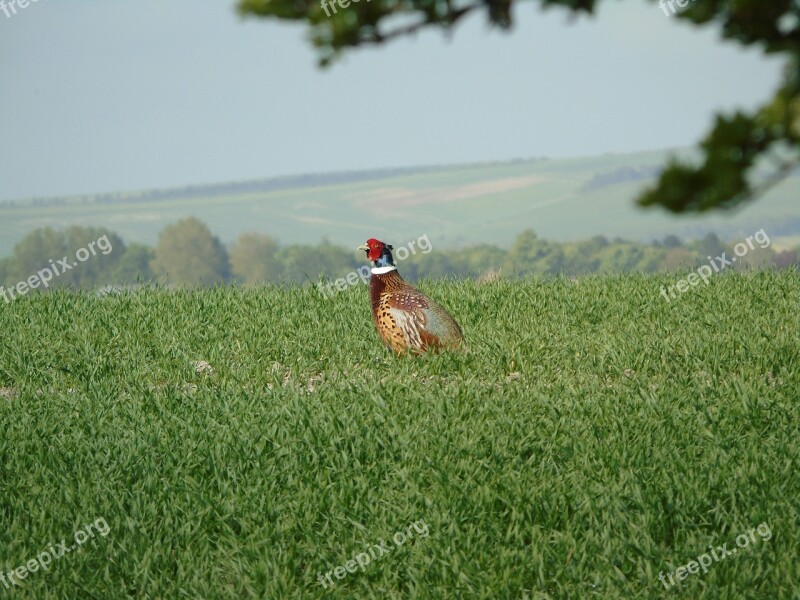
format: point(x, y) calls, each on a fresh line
point(407, 320)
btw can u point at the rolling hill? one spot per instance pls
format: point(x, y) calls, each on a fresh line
point(563, 199)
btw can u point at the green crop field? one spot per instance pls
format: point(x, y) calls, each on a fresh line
point(591, 437)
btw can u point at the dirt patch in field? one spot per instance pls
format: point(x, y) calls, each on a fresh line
point(404, 198)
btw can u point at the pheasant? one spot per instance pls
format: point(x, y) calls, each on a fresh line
point(406, 319)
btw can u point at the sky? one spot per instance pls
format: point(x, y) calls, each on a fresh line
point(101, 96)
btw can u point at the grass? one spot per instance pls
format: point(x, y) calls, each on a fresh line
point(591, 437)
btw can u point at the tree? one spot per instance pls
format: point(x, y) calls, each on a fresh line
point(77, 257)
point(189, 254)
point(652, 259)
point(304, 263)
point(527, 254)
point(483, 258)
point(254, 259)
point(33, 253)
point(5, 269)
point(783, 259)
point(710, 245)
point(680, 259)
point(737, 144)
point(432, 266)
point(134, 267)
point(619, 257)
point(100, 260)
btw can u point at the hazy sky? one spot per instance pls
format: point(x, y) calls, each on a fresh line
point(112, 95)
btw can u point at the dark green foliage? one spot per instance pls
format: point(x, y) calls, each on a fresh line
point(731, 152)
point(591, 437)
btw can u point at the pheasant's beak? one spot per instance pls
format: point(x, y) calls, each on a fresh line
point(363, 247)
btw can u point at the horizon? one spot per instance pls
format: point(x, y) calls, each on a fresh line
point(100, 99)
point(377, 169)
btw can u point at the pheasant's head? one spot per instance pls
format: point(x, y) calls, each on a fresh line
point(378, 253)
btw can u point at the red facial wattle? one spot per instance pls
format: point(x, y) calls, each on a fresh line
point(375, 249)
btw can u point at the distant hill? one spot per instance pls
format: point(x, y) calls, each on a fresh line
point(563, 199)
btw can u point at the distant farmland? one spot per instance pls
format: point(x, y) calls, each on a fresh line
point(565, 199)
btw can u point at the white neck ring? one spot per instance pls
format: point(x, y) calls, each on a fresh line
point(383, 270)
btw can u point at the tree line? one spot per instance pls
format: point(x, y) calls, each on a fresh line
point(189, 254)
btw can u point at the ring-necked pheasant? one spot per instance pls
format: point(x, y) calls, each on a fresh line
point(406, 319)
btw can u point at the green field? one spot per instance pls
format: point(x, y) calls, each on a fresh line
point(456, 205)
point(591, 437)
